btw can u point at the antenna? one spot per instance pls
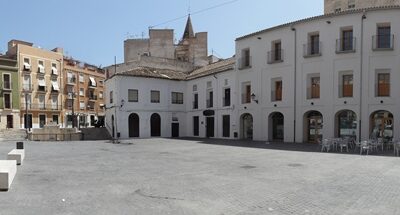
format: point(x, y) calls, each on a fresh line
point(189, 7)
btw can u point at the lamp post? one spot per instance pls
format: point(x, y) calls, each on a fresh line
point(72, 94)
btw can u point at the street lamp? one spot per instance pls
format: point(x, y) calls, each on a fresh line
point(72, 95)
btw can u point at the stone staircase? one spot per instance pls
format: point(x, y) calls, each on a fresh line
point(12, 134)
point(95, 134)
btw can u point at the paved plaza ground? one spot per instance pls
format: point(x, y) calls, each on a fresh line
point(166, 176)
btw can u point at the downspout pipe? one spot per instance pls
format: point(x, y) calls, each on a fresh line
point(295, 83)
point(363, 17)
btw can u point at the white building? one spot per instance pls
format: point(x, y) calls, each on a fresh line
point(326, 76)
point(149, 102)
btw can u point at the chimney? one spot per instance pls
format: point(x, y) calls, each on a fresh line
point(58, 50)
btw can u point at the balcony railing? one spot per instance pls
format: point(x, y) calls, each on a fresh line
point(313, 92)
point(209, 103)
point(276, 95)
point(7, 105)
point(245, 62)
point(27, 87)
point(41, 106)
point(71, 80)
point(195, 104)
point(346, 45)
point(312, 49)
point(246, 99)
point(382, 42)
point(275, 56)
point(227, 101)
point(93, 97)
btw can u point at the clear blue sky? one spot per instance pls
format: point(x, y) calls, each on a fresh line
point(94, 30)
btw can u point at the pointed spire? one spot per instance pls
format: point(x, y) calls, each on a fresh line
point(188, 33)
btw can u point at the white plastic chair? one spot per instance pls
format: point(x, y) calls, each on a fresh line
point(365, 146)
point(325, 144)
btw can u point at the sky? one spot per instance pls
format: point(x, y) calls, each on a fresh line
point(93, 31)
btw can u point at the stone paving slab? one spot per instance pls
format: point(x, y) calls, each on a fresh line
point(165, 176)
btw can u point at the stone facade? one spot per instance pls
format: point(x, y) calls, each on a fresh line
point(9, 96)
point(192, 48)
point(332, 6)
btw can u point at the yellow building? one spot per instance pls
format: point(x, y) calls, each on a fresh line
point(39, 81)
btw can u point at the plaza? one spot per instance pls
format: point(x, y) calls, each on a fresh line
point(198, 176)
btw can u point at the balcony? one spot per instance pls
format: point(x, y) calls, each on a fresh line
point(346, 45)
point(41, 106)
point(312, 50)
point(383, 42)
point(245, 62)
point(226, 101)
point(195, 105)
point(27, 87)
point(275, 56)
point(246, 99)
point(209, 103)
point(71, 81)
point(276, 95)
point(92, 97)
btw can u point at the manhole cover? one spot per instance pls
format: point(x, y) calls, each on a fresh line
point(247, 167)
point(295, 165)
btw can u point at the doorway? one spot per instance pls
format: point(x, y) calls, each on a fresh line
point(28, 121)
point(209, 127)
point(175, 130)
point(314, 122)
point(381, 125)
point(42, 120)
point(10, 120)
point(155, 125)
point(276, 125)
point(247, 126)
point(133, 125)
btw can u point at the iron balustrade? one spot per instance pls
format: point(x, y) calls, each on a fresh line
point(345, 45)
point(312, 49)
point(41, 106)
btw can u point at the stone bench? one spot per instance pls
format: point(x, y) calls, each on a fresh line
point(17, 154)
point(8, 169)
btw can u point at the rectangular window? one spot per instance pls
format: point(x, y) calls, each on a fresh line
point(315, 88)
point(41, 102)
point(277, 93)
point(277, 50)
point(81, 78)
point(101, 95)
point(42, 84)
point(210, 99)
point(111, 97)
point(226, 124)
point(81, 92)
point(351, 4)
point(246, 93)
point(209, 84)
point(194, 88)
point(245, 60)
point(27, 64)
point(54, 102)
point(196, 126)
point(82, 105)
point(6, 81)
point(133, 95)
point(195, 101)
point(41, 66)
point(347, 41)
point(155, 96)
point(70, 78)
point(384, 37)
point(27, 83)
point(347, 88)
point(7, 101)
point(313, 46)
point(54, 70)
point(69, 104)
point(176, 98)
point(227, 97)
point(383, 85)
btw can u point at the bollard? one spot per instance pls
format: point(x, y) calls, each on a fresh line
point(20, 145)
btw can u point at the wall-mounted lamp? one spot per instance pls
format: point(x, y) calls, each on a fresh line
point(253, 97)
point(122, 103)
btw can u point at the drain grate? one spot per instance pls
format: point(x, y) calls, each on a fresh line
point(295, 165)
point(248, 167)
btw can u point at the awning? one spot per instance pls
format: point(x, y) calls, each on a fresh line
point(42, 83)
point(41, 68)
point(93, 82)
point(54, 70)
point(55, 85)
point(27, 66)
